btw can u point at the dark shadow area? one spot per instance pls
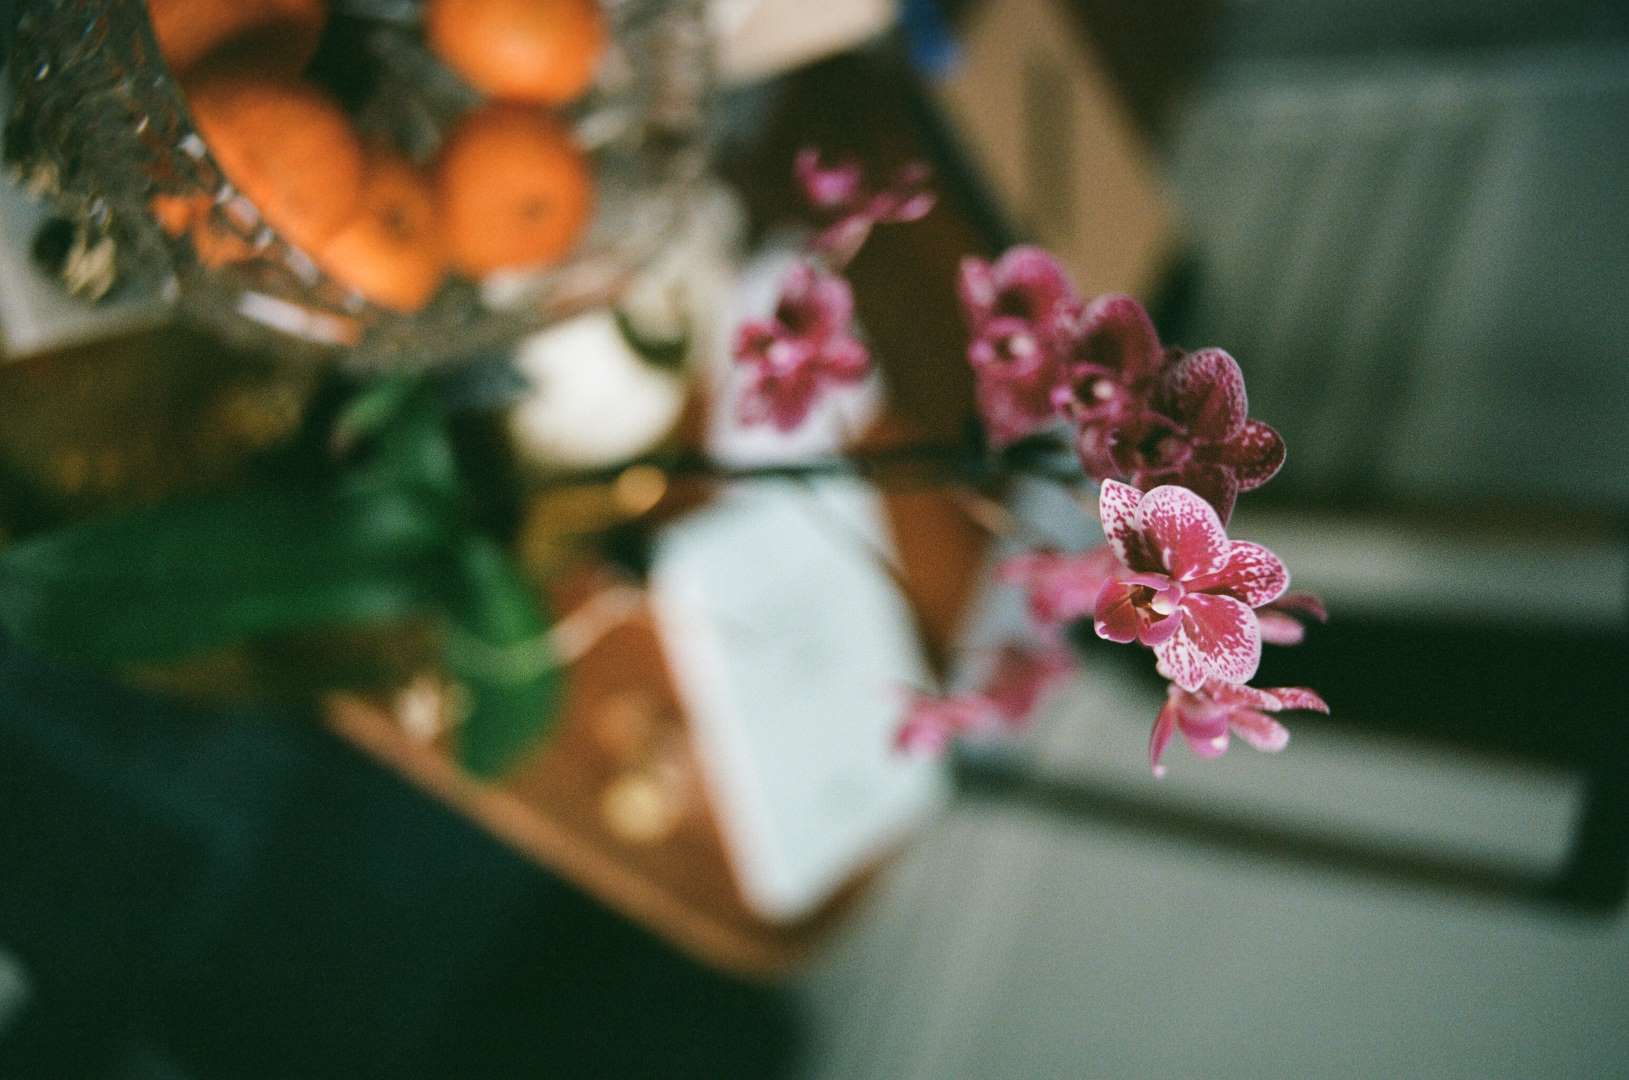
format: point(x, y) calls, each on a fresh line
point(199, 894)
point(1535, 697)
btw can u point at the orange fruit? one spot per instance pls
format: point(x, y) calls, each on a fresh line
point(213, 244)
point(544, 51)
point(216, 246)
point(278, 35)
point(175, 213)
point(391, 252)
point(514, 190)
point(286, 146)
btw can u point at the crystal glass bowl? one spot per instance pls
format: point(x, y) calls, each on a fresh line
point(102, 123)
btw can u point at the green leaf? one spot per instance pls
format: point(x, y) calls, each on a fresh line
point(375, 407)
point(169, 581)
point(412, 450)
point(498, 648)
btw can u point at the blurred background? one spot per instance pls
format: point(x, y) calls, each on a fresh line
point(1410, 224)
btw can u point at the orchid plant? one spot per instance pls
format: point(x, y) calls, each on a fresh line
point(372, 511)
point(1164, 433)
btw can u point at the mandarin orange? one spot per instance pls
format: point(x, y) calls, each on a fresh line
point(213, 244)
point(286, 146)
point(392, 252)
point(279, 35)
point(514, 190)
point(543, 51)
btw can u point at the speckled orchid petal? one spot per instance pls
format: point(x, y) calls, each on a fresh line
point(1262, 732)
point(1158, 739)
point(752, 341)
point(1117, 505)
point(1016, 373)
point(1183, 532)
point(921, 735)
point(1158, 631)
point(1300, 698)
point(1207, 716)
point(1226, 635)
point(1007, 411)
point(1206, 393)
point(842, 239)
point(839, 193)
point(1215, 484)
point(976, 289)
point(782, 400)
point(1236, 694)
point(1181, 661)
point(1114, 333)
point(1251, 574)
point(1094, 443)
point(1255, 454)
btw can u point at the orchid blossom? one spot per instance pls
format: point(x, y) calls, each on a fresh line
point(1112, 361)
point(932, 722)
point(838, 192)
point(1018, 681)
point(1026, 283)
point(1208, 443)
point(1017, 373)
point(1166, 432)
point(1061, 588)
point(1207, 717)
point(1191, 592)
point(806, 346)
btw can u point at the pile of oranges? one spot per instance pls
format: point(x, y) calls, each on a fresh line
point(509, 188)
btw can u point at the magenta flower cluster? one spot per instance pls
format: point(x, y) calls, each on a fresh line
point(1138, 411)
point(1166, 433)
point(805, 347)
point(1169, 436)
point(808, 345)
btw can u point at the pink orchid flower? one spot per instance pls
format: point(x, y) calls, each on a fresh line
point(1202, 437)
point(1209, 716)
point(838, 192)
point(932, 722)
point(1191, 592)
point(1016, 373)
point(1021, 679)
point(1060, 587)
point(1283, 620)
point(1113, 359)
point(1017, 683)
point(806, 346)
point(1025, 283)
